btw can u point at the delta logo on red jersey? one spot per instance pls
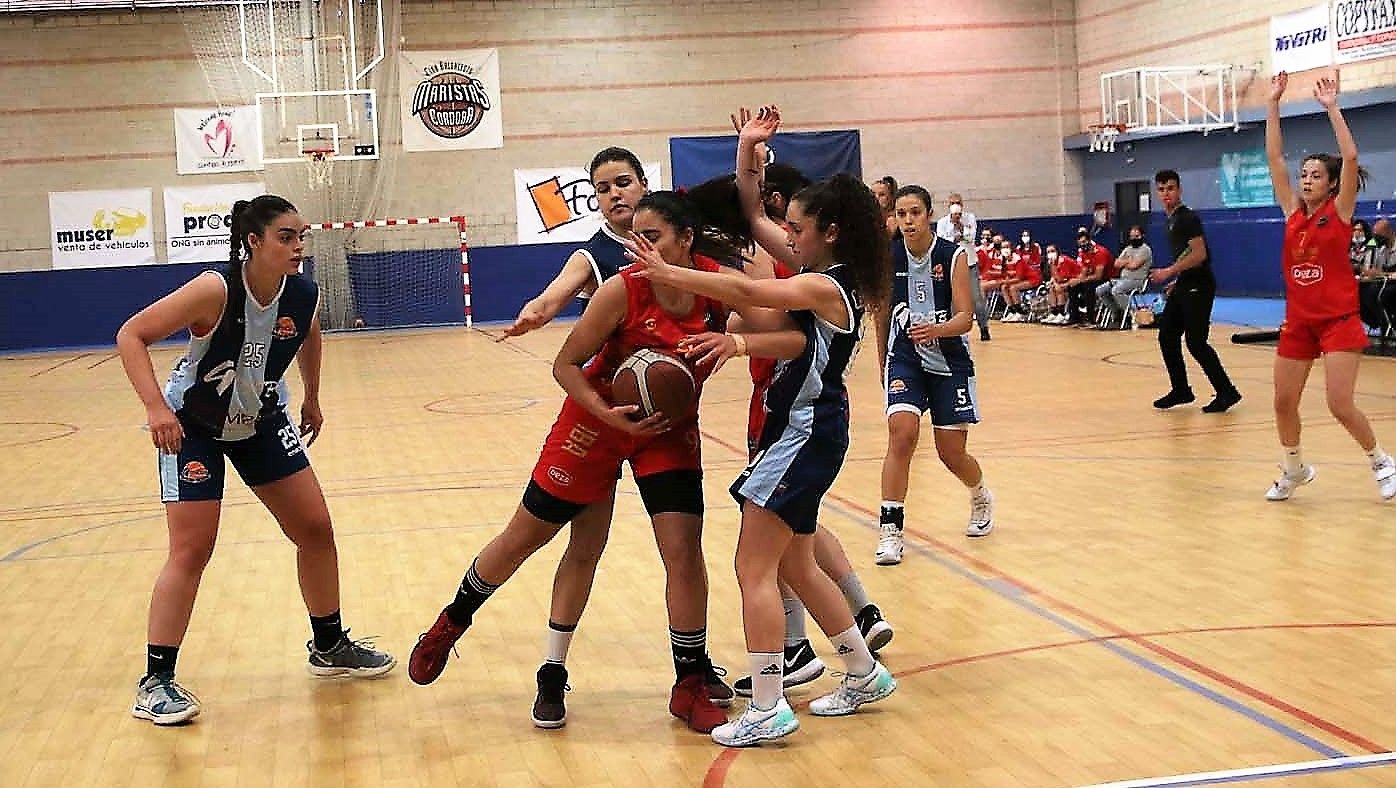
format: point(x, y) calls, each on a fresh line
point(1305, 274)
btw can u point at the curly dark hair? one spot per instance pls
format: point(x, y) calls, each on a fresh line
point(862, 243)
point(720, 209)
point(679, 212)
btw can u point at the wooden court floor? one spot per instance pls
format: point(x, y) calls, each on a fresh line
point(1140, 611)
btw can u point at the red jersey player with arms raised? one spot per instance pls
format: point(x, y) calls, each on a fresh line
point(1321, 308)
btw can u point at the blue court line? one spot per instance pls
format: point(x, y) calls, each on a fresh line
point(1016, 596)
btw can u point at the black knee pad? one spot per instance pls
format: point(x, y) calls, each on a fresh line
point(548, 507)
point(678, 492)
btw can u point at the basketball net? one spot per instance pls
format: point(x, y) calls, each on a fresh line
point(319, 166)
point(1103, 137)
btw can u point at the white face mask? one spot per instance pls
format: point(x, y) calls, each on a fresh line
point(1027, 239)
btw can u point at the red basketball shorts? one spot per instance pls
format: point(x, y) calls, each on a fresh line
point(1307, 340)
point(582, 455)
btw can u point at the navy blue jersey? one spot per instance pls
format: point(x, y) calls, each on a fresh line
point(231, 378)
point(606, 254)
point(921, 293)
point(808, 396)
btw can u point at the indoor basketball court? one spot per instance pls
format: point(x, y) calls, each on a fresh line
point(1140, 614)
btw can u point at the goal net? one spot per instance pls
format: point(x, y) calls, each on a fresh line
point(390, 272)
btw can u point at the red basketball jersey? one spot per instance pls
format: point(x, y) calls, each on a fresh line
point(647, 326)
point(1067, 268)
point(1319, 284)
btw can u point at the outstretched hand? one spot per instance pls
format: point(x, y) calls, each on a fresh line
point(1326, 91)
point(649, 263)
point(763, 125)
point(1278, 83)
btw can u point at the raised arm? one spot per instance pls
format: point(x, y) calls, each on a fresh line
point(1326, 91)
point(1275, 149)
point(754, 133)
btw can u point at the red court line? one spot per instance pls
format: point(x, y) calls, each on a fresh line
point(59, 364)
point(1215, 675)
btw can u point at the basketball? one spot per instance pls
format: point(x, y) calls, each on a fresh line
point(657, 382)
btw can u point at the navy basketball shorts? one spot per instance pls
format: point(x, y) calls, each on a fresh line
point(196, 473)
point(951, 398)
point(790, 478)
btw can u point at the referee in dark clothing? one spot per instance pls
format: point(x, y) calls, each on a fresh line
point(1187, 312)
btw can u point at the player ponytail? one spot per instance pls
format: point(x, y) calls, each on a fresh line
point(1334, 166)
point(719, 208)
point(862, 244)
point(680, 213)
point(249, 217)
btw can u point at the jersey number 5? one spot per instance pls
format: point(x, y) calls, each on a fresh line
point(920, 292)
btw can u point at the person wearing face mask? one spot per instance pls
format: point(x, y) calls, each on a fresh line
point(1133, 263)
point(1029, 249)
point(1095, 263)
point(958, 225)
point(1064, 270)
point(1361, 250)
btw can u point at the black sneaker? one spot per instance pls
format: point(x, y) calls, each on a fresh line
point(550, 708)
point(801, 667)
point(718, 691)
point(1222, 402)
point(1174, 398)
point(877, 633)
point(983, 335)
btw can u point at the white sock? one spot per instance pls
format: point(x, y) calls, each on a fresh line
point(1294, 460)
point(1376, 454)
point(854, 593)
point(794, 619)
point(979, 491)
point(767, 671)
point(559, 640)
point(850, 646)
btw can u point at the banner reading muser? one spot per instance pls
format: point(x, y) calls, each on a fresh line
point(198, 220)
point(101, 229)
point(450, 100)
point(558, 204)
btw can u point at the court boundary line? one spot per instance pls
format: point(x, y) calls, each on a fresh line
point(1259, 772)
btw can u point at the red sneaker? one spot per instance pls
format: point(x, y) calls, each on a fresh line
point(689, 702)
point(433, 647)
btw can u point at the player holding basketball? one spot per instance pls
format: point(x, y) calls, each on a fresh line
point(618, 179)
point(1321, 307)
point(226, 398)
point(583, 453)
point(927, 367)
point(836, 234)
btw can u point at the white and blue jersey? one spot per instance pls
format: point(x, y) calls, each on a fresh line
point(937, 376)
point(805, 437)
point(230, 379)
point(605, 252)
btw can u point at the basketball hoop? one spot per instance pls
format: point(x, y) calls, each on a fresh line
point(1103, 136)
point(319, 167)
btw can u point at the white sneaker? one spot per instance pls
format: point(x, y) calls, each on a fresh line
point(1012, 317)
point(1286, 484)
point(1385, 471)
point(1050, 320)
point(854, 691)
point(163, 701)
point(890, 545)
point(981, 515)
point(756, 726)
